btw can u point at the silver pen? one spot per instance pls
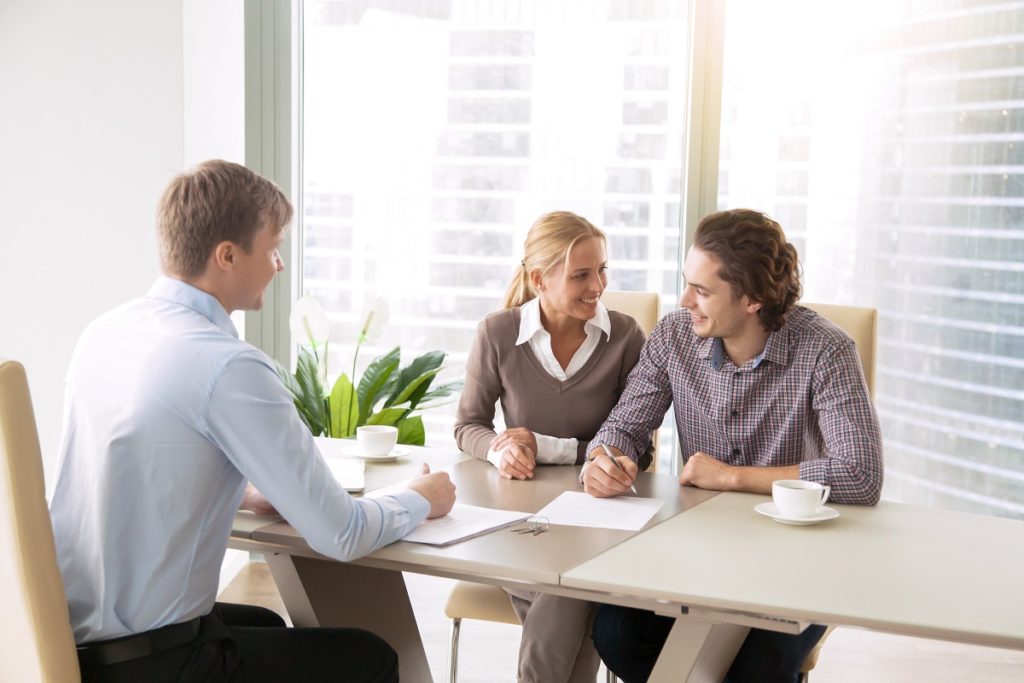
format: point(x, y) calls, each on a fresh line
point(619, 465)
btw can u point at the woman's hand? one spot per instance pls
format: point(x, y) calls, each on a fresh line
point(518, 435)
point(518, 455)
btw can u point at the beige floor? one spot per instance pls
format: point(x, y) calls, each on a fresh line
point(488, 651)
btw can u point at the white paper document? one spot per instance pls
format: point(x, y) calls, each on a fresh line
point(581, 509)
point(350, 473)
point(464, 521)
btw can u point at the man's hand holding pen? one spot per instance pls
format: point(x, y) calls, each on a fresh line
point(608, 472)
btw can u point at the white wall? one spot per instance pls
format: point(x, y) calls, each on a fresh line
point(91, 130)
point(101, 103)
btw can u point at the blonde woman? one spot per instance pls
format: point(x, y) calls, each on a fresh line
point(557, 360)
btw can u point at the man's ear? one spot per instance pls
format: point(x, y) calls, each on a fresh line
point(224, 255)
point(753, 306)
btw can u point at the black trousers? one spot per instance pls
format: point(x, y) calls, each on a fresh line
point(245, 644)
point(630, 640)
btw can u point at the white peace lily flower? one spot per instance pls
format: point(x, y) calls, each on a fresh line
point(376, 319)
point(308, 323)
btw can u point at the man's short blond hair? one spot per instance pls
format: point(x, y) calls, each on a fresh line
point(216, 201)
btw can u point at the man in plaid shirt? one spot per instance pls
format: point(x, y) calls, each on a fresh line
point(762, 390)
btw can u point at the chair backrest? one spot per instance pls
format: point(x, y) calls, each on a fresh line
point(644, 307)
point(36, 643)
point(861, 324)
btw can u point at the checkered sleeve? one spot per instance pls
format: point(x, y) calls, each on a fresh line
point(642, 406)
point(852, 462)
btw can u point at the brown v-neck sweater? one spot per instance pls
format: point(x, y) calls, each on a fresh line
point(499, 370)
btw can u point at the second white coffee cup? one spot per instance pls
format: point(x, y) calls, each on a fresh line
point(798, 498)
point(376, 440)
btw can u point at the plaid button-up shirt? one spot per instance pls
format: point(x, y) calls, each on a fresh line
point(802, 401)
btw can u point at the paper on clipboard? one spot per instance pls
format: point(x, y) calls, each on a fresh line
point(464, 521)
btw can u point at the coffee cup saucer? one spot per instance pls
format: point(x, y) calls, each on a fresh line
point(394, 454)
point(822, 514)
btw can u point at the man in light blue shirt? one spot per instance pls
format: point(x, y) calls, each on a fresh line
point(168, 415)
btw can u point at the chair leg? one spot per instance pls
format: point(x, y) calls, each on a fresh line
point(453, 652)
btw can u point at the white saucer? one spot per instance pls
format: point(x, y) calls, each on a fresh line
point(396, 452)
point(822, 514)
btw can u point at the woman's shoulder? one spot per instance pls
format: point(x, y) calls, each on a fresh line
point(624, 326)
point(500, 325)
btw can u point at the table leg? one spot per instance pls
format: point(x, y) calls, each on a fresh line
point(328, 593)
point(698, 652)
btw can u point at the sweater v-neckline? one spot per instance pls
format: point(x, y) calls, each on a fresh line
point(547, 377)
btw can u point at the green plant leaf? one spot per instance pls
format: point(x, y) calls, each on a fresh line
point(308, 391)
point(431, 360)
point(388, 416)
point(410, 431)
point(446, 389)
point(374, 382)
point(344, 408)
point(416, 389)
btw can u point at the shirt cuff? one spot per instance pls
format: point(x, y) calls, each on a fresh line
point(552, 450)
point(417, 505)
point(494, 457)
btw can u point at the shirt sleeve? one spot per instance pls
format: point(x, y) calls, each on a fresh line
point(849, 427)
point(474, 420)
point(252, 419)
point(553, 450)
point(642, 405)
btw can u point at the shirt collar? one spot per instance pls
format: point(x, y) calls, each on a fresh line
point(530, 324)
point(776, 350)
point(181, 293)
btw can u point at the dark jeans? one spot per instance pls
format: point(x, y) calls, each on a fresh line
point(245, 644)
point(630, 640)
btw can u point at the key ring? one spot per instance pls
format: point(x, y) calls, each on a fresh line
point(534, 526)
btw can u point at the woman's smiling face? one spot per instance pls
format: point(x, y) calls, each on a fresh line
point(574, 286)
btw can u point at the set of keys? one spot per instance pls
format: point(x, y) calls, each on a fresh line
point(534, 527)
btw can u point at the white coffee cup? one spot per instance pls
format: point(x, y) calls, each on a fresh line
point(797, 498)
point(376, 440)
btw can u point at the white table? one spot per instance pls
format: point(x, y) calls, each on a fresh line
point(707, 559)
point(894, 568)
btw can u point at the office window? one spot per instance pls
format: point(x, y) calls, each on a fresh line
point(435, 132)
point(888, 141)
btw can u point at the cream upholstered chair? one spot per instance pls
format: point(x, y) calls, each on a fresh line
point(862, 325)
point(490, 603)
point(36, 642)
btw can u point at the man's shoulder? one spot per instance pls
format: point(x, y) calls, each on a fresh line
point(160, 330)
point(808, 328)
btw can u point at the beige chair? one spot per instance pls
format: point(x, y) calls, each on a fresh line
point(36, 642)
point(862, 325)
point(482, 602)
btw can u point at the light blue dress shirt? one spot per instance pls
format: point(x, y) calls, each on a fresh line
point(167, 414)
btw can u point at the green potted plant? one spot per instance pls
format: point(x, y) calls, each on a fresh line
point(386, 394)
